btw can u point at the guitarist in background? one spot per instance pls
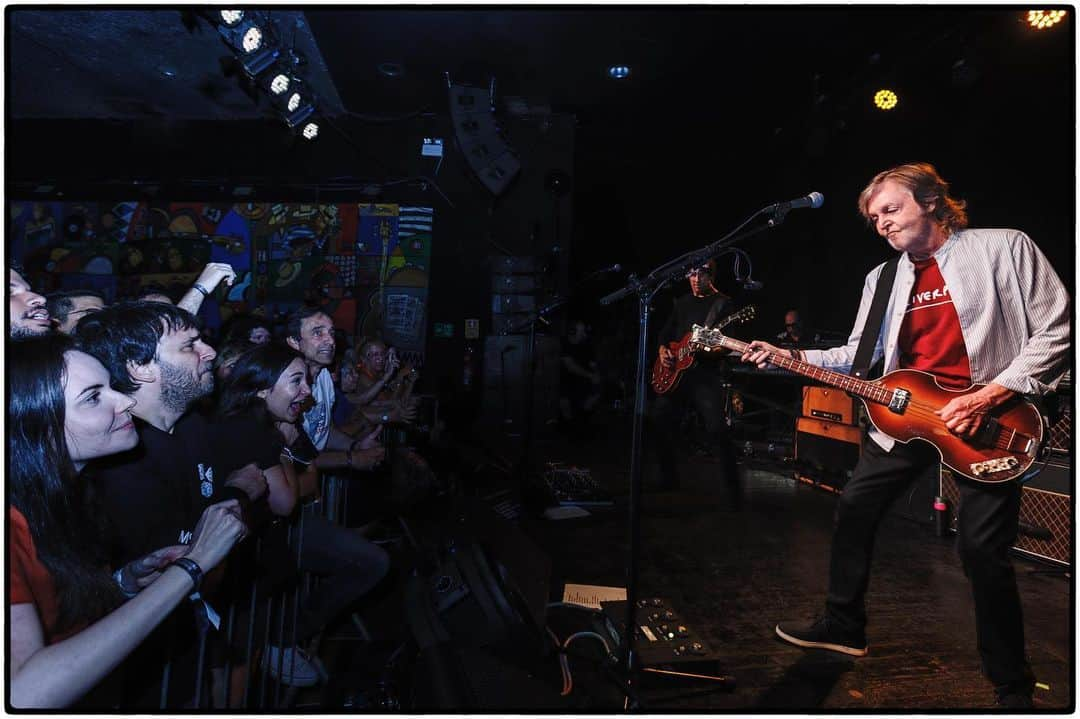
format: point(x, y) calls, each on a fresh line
point(702, 386)
point(981, 306)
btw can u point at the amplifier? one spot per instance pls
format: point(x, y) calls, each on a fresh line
point(666, 645)
point(828, 403)
point(826, 452)
point(1045, 513)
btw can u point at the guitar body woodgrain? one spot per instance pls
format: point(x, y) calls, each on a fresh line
point(997, 456)
point(663, 379)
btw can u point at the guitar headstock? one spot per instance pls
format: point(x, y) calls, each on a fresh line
point(706, 338)
point(744, 315)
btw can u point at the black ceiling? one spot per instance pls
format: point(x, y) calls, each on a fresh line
point(751, 65)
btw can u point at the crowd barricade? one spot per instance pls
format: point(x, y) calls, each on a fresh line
point(230, 677)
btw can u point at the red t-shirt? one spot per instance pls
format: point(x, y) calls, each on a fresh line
point(930, 337)
point(31, 582)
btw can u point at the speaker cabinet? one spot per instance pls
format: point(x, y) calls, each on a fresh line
point(826, 452)
point(485, 150)
point(506, 379)
point(1045, 513)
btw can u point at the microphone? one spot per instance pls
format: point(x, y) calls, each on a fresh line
point(814, 200)
point(749, 284)
point(603, 271)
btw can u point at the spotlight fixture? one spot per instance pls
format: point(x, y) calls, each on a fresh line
point(251, 39)
point(310, 131)
point(618, 72)
point(279, 83)
point(231, 18)
point(293, 102)
point(885, 99)
point(252, 43)
point(1042, 19)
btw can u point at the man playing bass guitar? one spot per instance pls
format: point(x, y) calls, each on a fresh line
point(702, 386)
point(966, 306)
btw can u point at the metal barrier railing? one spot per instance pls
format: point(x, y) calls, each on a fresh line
point(216, 668)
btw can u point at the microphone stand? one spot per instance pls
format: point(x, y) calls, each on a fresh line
point(530, 321)
point(646, 288)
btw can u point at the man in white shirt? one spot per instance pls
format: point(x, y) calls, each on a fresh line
point(310, 331)
point(966, 306)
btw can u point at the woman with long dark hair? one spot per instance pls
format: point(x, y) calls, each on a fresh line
point(69, 621)
point(260, 405)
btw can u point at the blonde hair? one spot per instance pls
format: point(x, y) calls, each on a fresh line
point(926, 186)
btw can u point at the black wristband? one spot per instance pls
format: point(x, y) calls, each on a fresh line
point(199, 288)
point(228, 492)
point(193, 569)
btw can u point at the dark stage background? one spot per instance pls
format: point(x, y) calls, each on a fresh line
point(725, 110)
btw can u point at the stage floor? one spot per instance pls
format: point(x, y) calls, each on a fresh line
point(735, 574)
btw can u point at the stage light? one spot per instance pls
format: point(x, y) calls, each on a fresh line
point(231, 18)
point(1042, 19)
point(885, 99)
point(294, 102)
point(279, 83)
point(252, 39)
point(618, 72)
point(310, 131)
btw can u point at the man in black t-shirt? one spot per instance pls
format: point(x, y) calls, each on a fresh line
point(701, 386)
point(153, 495)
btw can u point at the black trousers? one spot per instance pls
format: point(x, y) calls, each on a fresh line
point(704, 390)
point(987, 527)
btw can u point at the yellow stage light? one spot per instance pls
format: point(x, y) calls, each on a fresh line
point(885, 99)
point(1042, 19)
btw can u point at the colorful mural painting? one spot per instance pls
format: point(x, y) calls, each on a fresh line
point(366, 264)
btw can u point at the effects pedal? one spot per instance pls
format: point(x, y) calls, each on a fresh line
point(666, 644)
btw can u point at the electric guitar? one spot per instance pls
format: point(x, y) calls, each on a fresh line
point(664, 379)
point(902, 404)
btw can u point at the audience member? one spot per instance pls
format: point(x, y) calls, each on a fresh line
point(247, 328)
point(69, 626)
point(29, 316)
point(310, 332)
point(153, 495)
point(258, 409)
point(67, 307)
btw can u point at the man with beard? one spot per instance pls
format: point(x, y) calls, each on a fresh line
point(154, 354)
point(310, 331)
point(153, 495)
point(29, 316)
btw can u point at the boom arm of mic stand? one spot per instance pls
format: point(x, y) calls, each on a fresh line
point(537, 315)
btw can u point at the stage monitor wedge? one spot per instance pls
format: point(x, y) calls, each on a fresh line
point(489, 156)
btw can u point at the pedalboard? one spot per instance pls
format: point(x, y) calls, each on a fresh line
point(665, 642)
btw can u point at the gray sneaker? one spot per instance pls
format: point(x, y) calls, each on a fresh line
point(297, 668)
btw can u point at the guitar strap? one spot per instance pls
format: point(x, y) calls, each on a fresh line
point(865, 353)
point(714, 310)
